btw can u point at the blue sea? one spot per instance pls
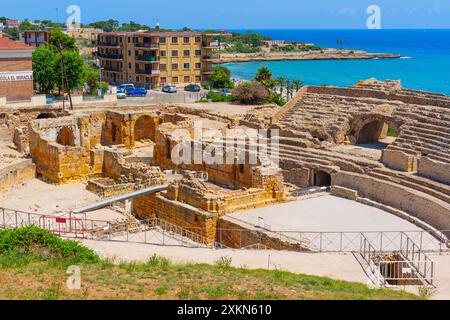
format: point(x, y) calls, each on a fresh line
point(425, 64)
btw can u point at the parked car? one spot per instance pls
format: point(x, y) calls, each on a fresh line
point(125, 87)
point(226, 91)
point(121, 95)
point(192, 88)
point(136, 92)
point(169, 89)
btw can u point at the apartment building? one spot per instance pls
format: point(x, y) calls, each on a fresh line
point(35, 38)
point(152, 59)
point(16, 72)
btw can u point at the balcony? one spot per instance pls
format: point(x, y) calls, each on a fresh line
point(147, 58)
point(144, 45)
point(109, 44)
point(112, 69)
point(208, 71)
point(211, 57)
point(154, 72)
point(210, 45)
point(111, 56)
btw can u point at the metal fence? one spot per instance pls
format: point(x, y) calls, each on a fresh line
point(327, 241)
point(159, 232)
point(410, 266)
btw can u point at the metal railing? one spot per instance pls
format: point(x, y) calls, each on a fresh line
point(161, 232)
point(418, 258)
point(407, 266)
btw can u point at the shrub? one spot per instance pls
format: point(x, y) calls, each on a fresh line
point(277, 98)
point(42, 245)
point(251, 93)
point(221, 78)
point(218, 97)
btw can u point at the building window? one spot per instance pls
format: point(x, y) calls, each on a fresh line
point(174, 79)
point(186, 40)
point(174, 40)
point(174, 53)
point(186, 66)
point(163, 80)
point(198, 52)
point(198, 78)
point(163, 53)
point(187, 79)
point(129, 40)
point(163, 67)
point(137, 78)
point(174, 66)
point(198, 39)
point(129, 53)
point(162, 40)
point(129, 65)
point(186, 53)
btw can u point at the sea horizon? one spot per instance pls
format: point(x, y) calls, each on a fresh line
point(426, 68)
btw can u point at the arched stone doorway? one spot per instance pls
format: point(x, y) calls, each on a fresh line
point(374, 129)
point(321, 179)
point(144, 129)
point(66, 137)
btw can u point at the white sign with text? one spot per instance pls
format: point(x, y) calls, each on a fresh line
point(16, 76)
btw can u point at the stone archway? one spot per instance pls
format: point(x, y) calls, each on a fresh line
point(66, 137)
point(144, 129)
point(46, 115)
point(373, 128)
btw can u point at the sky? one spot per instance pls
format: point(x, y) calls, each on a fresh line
point(242, 14)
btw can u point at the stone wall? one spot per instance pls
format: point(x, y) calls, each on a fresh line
point(177, 213)
point(64, 163)
point(399, 160)
point(384, 95)
point(236, 236)
point(426, 208)
point(16, 173)
point(434, 169)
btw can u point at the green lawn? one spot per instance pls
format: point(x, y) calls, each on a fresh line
point(33, 265)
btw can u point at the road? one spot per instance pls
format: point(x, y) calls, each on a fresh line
point(158, 97)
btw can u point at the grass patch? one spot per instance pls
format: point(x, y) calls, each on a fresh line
point(34, 270)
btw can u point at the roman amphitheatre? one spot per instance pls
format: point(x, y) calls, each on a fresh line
point(361, 190)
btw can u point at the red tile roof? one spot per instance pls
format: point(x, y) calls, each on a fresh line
point(8, 44)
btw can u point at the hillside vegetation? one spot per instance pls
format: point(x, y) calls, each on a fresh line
point(33, 265)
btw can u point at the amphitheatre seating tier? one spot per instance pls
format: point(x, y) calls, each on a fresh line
point(327, 115)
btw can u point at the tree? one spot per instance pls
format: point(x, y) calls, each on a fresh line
point(91, 77)
point(27, 25)
point(297, 84)
point(61, 41)
point(282, 83)
point(106, 25)
point(44, 74)
point(73, 65)
point(221, 78)
point(264, 76)
point(251, 92)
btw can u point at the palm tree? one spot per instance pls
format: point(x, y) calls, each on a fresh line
point(282, 83)
point(264, 76)
point(297, 84)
